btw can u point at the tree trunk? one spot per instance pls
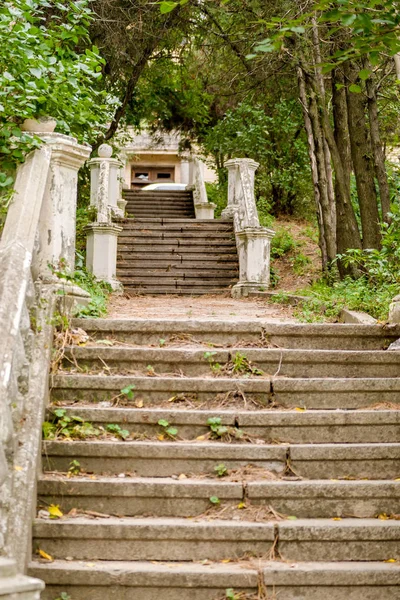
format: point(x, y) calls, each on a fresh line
point(347, 233)
point(320, 87)
point(319, 141)
point(362, 162)
point(376, 142)
point(313, 163)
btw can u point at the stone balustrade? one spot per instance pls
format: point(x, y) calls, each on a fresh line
point(102, 235)
point(39, 231)
point(253, 241)
point(203, 208)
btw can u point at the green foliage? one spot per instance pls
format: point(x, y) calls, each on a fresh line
point(275, 139)
point(372, 292)
point(116, 430)
point(282, 243)
point(215, 500)
point(242, 365)
point(372, 26)
point(64, 596)
point(98, 290)
point(48, 66)
point(74, 467)
point(167, 430)
point(64, 426)
point(127, 391)
point(218, 430)
point(221, 470)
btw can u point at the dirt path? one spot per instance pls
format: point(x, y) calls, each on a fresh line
point(203, 307)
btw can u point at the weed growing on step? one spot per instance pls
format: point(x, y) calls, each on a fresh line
point(126, 393)
point(64, 426)
point(167, 430)
point(209, 357)
point(98, 290)
point(116, 430)
point(64, 596)
point(221, 470)
point(215, 500)
point(227, 433)
point(150, 371)
point(74, 468)
point(241, 365)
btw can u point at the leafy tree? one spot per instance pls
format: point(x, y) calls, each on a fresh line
point(48, 66)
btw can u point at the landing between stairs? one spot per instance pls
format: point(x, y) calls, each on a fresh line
point(210, 448)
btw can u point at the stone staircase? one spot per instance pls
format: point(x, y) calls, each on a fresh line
point(165, 250)
point(263, 459)
point(159, 204)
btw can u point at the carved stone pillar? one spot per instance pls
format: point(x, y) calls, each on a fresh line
point(57, 224)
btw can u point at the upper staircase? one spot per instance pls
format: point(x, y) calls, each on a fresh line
point(163, 249)
point(153, 204)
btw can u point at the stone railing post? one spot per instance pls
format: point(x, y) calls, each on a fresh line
point(113, 195)
point(253, 241)
point(57, 226)
point(102, 235)
point(203, 208)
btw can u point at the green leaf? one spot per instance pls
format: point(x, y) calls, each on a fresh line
point(355, 89)
point(163, 423)
point(215, 500)
point(364, 74)
point(167, 6)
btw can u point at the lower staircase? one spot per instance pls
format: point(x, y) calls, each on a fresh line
point(163, 249)
point(203, 460)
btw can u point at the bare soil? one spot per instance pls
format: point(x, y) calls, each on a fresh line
point(221, 307)
point(293, 275)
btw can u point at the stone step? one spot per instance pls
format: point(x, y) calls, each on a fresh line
point(155, 290)
point(199, 362)
point(175, 263)
point(178, 539)
point(188, 226)
point(322, 336)
point(153, 581)
point(194, 245)
point(197, 223)
point(319, 393)
point(165, 497)
point(174, 280)
point(309, 427)
point(137, 235)
point(167, 458)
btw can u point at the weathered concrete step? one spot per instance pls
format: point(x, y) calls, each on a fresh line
point(213, 261)
point(175, 273)
point(184, 266)
point(190, 497)
point(189, 226)
point(194, 244)
point(151, 539)
point(294, 335)
point(161, 213)
point(161, 459)
point(155, 290)
point(138, 235)
point(190, 280)
point(303, 393)
point(148, 581)
point(183, 540)
point(311, 427)
point(289, 363)
point(181, 222)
